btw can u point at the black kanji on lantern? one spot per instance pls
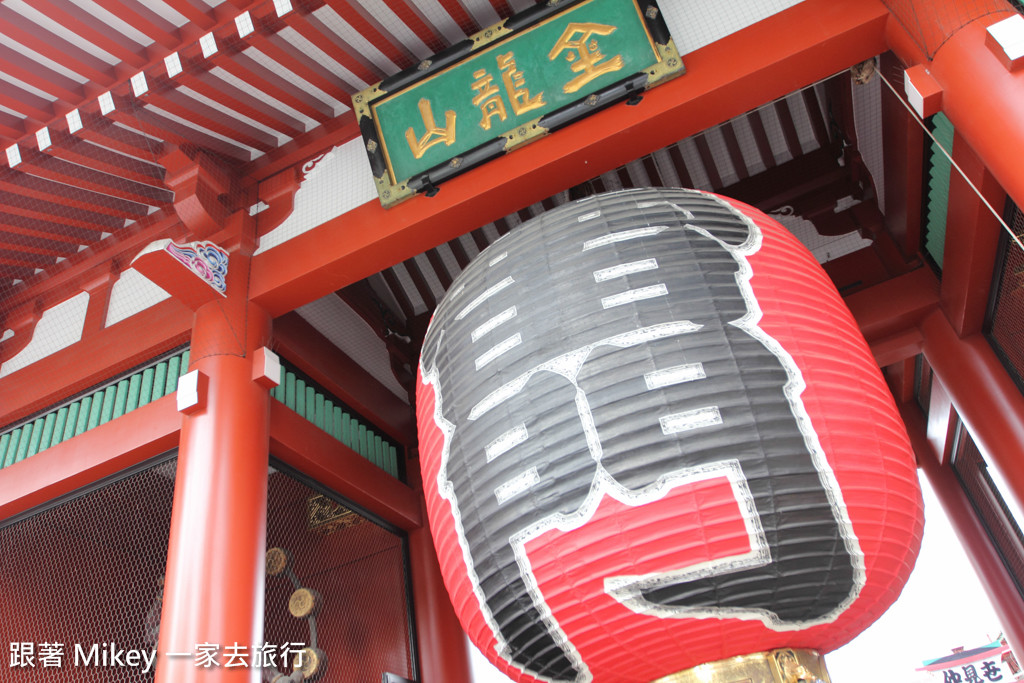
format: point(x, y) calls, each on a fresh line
point(612, 345)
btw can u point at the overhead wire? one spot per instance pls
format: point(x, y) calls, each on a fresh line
point(913, 115)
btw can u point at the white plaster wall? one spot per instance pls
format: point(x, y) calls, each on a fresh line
point(132, 293)
point(696, 23)
point(337, 183)
point(59, 327)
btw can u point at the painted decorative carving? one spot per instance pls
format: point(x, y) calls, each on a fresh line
point(205, 259)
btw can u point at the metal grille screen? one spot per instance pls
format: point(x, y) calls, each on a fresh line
point(1007, 310)
point(344, 577)
point(81, 578)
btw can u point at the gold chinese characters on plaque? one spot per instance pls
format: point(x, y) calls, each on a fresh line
point(508, 85)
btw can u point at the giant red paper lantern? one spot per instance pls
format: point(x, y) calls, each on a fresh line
point(652, 436)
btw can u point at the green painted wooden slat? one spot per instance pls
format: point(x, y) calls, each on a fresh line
point(378, 451)
point(328, 425)
point(145, 394)
point(58, 426)
point(95, 411)
point(120, 398)
point(37, 435)
point(72, 421)
point(938, 189)
point(278, 391)
point(186, 358)
point(109, 400)
point(393, 460)
point(5, 441)
point(310, 412)
point(318, 410)
point(23, 443)
point(12, 447)
point(69, 420)
point(300, 397)
point(370, 455)
point(134, 392)
point(173, 369)
point(159, 381)
point(289, 391)
point(361, 440)
point(82, 423)
point(47, 435)
point(346, 429)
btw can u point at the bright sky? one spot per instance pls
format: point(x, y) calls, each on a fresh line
point(942, 606)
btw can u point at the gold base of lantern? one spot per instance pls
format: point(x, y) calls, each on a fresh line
point(773, 666)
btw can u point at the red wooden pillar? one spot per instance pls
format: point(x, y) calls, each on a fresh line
point(443, 645)
point(215, 567)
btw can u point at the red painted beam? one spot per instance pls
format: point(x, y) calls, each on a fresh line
point(93, 360)
point(299, 443)
point(153, 122)
point(12, 128)
point(987, 400)
point(894, 306)
point(976, 90)
point(43, 227)
point(796, 47)
point(998, 584)
point(36, 247)
point(299, 342)
point(903, 162)
point(234, 61)
point(338, 130)
point(85, 459)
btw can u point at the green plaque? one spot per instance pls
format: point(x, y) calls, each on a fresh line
point(507, 85)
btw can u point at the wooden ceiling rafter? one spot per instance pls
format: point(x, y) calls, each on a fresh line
point(67, 197)
point(92, 29)
point(369, 27)
point(732, 146)
point(303, 66)
point(101, 158)
point(247, 104)
point(53, 168)
point(33, 37)
point(439, 269)
point(146, 21)
point(310, 27)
